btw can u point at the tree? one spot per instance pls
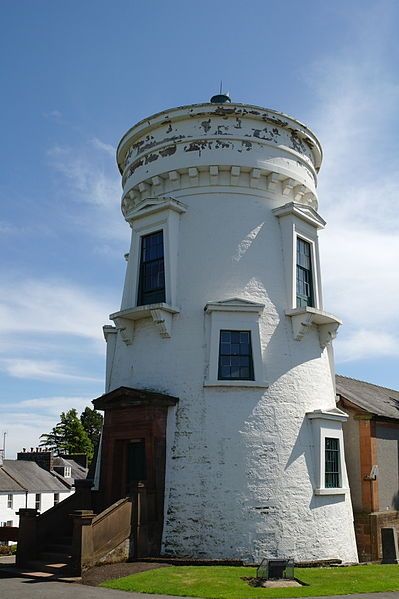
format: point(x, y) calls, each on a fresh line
point(68, 436)
point(92, 423)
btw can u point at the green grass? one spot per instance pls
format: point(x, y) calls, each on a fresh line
point(225, 582)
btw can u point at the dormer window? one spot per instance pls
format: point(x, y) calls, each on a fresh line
point(152, 270)
point(304, 274)
point(67, 472)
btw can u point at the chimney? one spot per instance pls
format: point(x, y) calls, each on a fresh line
point(44, 459)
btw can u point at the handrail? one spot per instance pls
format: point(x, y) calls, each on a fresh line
point(103, 537)
point(109, 510)
point(111, 528)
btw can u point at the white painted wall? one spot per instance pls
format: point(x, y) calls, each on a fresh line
point(240, 463)
point(22, 500)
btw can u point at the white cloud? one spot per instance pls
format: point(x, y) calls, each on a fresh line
point(110, 150)
point(53, 306)
point(49, 406)
point(55, 115)
point(51, 330)
point(90, 177)
point(47, 370)
point(26, 420)
point(366, 343)
point(356, 98)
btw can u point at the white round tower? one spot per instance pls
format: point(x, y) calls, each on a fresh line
point(223, 341)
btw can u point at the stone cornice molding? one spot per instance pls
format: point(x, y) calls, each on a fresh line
point(219, 176)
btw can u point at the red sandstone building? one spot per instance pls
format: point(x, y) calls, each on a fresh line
point(371, 451)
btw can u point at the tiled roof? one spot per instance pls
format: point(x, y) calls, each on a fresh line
point(8, 484)
point(30, 477)
point(374, 399)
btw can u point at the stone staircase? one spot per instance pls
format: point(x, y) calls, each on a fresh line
point(54, 561)
point(65, 541)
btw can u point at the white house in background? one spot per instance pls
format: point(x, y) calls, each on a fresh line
point(37, 479)
point(220, 408)
point(25, 484)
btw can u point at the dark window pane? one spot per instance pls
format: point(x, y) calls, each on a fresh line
point(235, 360)
point(152, 273)
point(225, 371)
point(332, 465)
point(225, 349)
point(244, 349)
point(304, 276)
point(235, 356)
point(235, 372)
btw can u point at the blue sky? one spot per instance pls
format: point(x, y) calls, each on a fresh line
point(76, 75)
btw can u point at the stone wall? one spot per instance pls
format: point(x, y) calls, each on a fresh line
point(368, 533)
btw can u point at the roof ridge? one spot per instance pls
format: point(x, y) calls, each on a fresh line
point(351, 378)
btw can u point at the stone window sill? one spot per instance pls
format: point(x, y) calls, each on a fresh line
point(332, 491)
point(259, 384)
point(304, 318)
point(161, 313)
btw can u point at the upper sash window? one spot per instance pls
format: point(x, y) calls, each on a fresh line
point(152, 270)
point(304, 274)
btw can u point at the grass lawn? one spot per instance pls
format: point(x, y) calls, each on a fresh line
point(225, 582)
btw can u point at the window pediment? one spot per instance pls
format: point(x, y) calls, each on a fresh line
point(153, 205)
point(302, 211)
point(234, 304)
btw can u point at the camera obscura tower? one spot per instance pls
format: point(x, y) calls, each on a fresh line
point(220, 414)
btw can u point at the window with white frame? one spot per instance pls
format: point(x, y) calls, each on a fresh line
point(234, 356)
point(9, 501)
point(329, 476)
point(38, 501)
point(152, 263)
point(151, 278)
point(67, 472)
point(299, 225)
point(56, 498)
